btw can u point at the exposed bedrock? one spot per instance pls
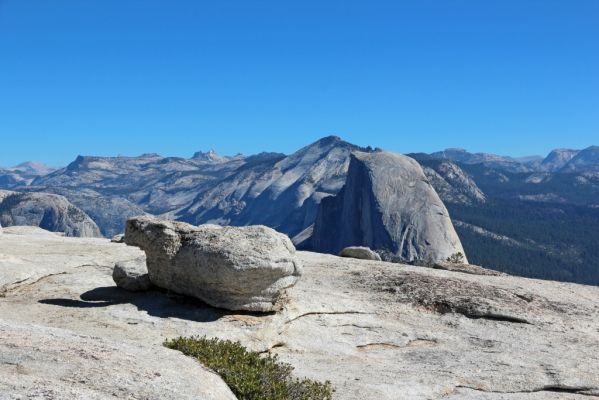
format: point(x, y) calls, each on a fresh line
point(47, 211)
point(388, 204)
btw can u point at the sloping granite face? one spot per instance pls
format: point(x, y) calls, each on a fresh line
point(48, 211)
point(388, 204)
point(376, 330)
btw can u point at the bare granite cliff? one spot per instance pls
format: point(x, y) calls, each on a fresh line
point(48, 211)
point(388, 204)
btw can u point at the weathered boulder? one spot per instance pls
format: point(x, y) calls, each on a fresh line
point(132, 275)
point(362, 253)
point(120, 238)
point(386, 204)
point(237, 268)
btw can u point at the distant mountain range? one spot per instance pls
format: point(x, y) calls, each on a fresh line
point(558, 160)
point(23, 174)
point(531, 216)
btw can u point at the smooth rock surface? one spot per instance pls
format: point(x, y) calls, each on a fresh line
point(376, 330)
point(362, 253)
point(132, 275)
point(386, 204)
point(38, 362)
point(48, 211)
point(237, 268)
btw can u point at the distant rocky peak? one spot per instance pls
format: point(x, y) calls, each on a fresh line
point(328, 140)
point(213, 157)
point(150, 155)
point(78, 163)
point(332, 141)
point(456, 150)
point(562, 153)
point(557, 159)
point(33, 168)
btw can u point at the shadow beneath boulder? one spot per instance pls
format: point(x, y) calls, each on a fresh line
point(157, 303)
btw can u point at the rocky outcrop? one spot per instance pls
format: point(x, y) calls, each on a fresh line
point(110, 212)
point(132, 275)
point(386, 204)
point(362, 253)
point(376, 330)
point(244, 268)
point(48, 211)
point(451, 183)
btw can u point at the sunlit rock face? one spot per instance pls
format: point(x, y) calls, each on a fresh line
point(388, 204)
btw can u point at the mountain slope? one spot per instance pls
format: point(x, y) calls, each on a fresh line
point(22, 174)
point(450, 181)
point(557, 159)
point(280, 192)
point(486, 159)
point(585, 160)
point(535, 224)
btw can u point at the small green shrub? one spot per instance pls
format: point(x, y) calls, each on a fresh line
point(250, 375)
point(456, 258)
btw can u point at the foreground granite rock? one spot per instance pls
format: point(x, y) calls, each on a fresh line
point(237, 268)
point(132, 275)
point(386, 204)
point(377, 330)
point(39, 362)
point(61, 362)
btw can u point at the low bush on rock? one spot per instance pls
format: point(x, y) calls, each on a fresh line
point(250, 375)
point(456, 258)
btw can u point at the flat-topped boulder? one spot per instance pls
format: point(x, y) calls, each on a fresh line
point(237, 268)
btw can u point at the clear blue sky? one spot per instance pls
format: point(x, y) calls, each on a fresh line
point(108, 77)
